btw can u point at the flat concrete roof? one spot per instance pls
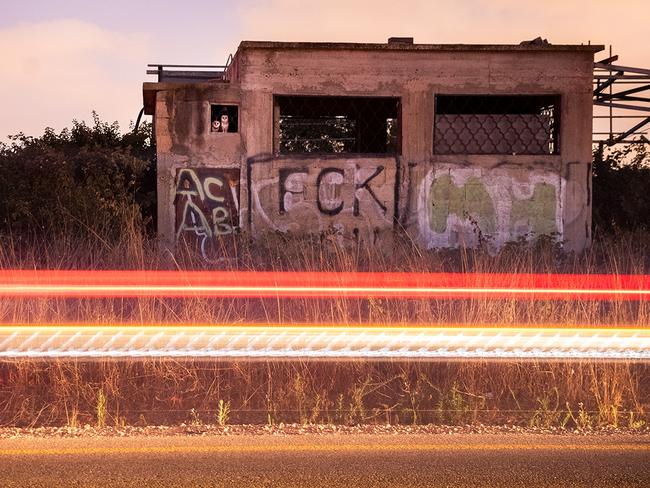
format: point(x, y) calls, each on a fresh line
point(398, 46)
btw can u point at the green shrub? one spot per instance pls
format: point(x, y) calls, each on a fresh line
point(621, 188)
point(81, 180)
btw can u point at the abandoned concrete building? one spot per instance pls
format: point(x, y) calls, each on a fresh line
point(448, 144)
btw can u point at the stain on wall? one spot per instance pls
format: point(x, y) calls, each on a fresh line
point(350, 197)
point(207, 208)
point(460, 205)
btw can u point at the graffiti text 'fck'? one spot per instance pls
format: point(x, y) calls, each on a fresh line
point(329, 185)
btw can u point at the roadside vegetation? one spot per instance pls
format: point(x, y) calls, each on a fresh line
point(84, 199)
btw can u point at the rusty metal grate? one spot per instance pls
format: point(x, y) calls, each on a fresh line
point(311, 124)
point(496, 124)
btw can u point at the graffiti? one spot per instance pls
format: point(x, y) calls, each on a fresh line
point(350, 198)
point(537, 212)
point(207, 207)
point(446, 198)
point(459, 206)
point(328, 188)
point(365, 185)
point(293, 185)
point(456, 205)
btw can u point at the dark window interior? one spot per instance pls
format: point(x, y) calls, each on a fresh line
point(224, 118)
point(337, 125)
point(497, 124)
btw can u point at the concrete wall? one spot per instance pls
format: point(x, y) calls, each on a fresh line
point(199, 171)
point(461, 203)
point(351, 198)
point(439, 200)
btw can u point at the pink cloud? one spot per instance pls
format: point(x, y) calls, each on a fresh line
point(58, 70)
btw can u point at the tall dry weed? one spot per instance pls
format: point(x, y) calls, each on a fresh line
point(155, 391)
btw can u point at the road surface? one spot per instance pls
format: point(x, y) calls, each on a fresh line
point(452, 460)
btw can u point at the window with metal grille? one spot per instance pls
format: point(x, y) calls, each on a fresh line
point(312, 124)
point(496, 124)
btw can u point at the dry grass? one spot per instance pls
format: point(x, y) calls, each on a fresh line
point(164, 391)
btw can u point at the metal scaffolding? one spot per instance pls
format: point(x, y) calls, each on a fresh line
point(621, 103)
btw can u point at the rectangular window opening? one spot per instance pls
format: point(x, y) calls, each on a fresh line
point(497, 124)
point(333, 125)
point(224, 118)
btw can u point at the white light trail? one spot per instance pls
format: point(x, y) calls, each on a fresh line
point(321, 342)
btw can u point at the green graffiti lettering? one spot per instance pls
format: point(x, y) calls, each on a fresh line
point(470, 201)
point(538, 212)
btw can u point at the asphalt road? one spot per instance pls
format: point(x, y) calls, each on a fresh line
point(453, 460)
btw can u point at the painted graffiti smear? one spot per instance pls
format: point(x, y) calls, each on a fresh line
point(207, 208)
point(350, 198)
point(457, 206)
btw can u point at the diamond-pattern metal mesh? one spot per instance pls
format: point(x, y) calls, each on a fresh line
point(306, 124)
point(496, 124)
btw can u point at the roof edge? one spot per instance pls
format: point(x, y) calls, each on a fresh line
point(593, 48)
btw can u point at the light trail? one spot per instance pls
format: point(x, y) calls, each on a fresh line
point(317, 341)
point(320, 341)
point(334, 447)
point(213, 284)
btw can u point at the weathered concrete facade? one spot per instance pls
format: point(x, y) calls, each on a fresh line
point(213, 183)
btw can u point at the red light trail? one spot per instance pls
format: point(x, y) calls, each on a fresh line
point(320, 341)
point(266, 284)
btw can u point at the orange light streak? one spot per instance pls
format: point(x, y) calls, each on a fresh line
point(265, 284)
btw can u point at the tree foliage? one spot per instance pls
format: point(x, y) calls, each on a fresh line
point(621, 188)
point(83, 179)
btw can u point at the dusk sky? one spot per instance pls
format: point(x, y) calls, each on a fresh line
point(61, 59)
